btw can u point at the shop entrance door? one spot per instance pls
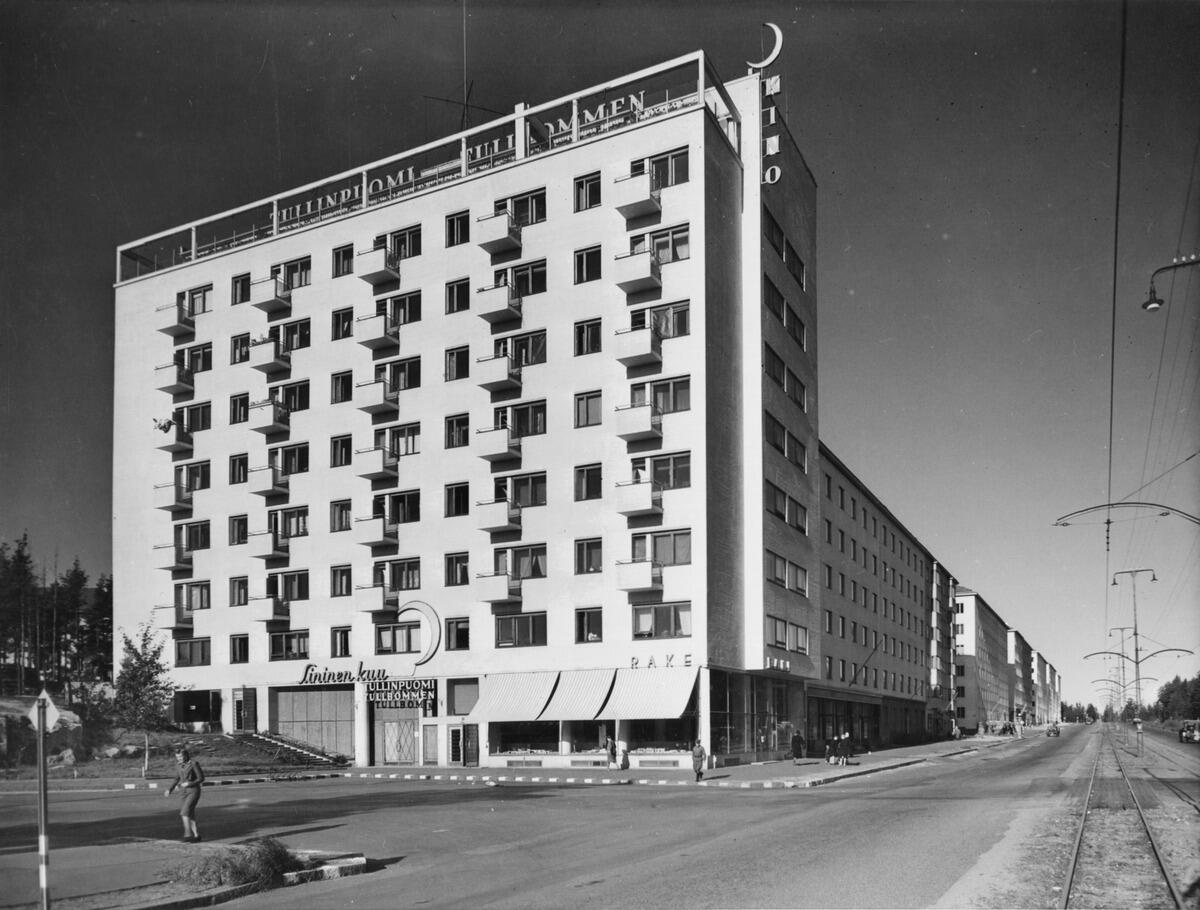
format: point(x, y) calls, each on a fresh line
point(400, 742)
point(429, 745)
point(471, 745)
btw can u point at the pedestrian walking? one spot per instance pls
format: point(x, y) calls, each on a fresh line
point(698, 756)
point(189, 778)
point(799, 748)
point(844, 749)
point(610, 746)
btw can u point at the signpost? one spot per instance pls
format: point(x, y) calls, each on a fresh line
point(44, 715)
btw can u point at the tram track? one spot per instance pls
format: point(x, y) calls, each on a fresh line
point(1117, 860)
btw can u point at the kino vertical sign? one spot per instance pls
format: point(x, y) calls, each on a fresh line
point(769, 142)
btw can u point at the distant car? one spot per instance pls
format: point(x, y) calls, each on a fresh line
point(1190, 731)
point(1053, 730)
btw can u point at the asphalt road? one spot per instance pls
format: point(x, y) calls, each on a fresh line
point(938, 833)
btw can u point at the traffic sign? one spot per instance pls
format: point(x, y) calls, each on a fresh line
point(52, 714)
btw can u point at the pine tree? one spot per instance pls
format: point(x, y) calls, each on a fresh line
point(144, 691)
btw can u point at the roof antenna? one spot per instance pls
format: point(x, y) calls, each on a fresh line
point(466, 88)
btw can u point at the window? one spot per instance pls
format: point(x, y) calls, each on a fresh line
point(239, 529)
point(795, 265)
point(198, 417)
point(458, 431)
point(293, 459)
point(526, 279)
point(404, 439)
point(587, 482)
point(193, 596)
point(239, 468)
point(341, 387)
point(670, 245)
point(588, 556)
point(671, 319)
point(458, 228)
point(525, 562)
point(773, 365)
point(525, 490)
point(195, 476)
point(294, 335)
point(239, 649)
point(523, 419)
point(797, 638)
point(289, 645)
point(786, 573)
point(402, 574)
point(196, 301)
point(294, 397)
point(457, 499)
point(662, 621)
point(399, 508)
point(339, 641)
point(828, 667)
point(339, 581)
point(343, 261)
point(342, 324)
point(773, 298)
point(288, 586)
point(192, 652)
point(587, 409)
point(525, 350)
point(457, 569)
point(670, 168)
point(289, 523)
point(589, 625)
point(458, 634)
point(528, 208)
point(401, 374)
point(296, 274)
point(587, 265)
point(671, 472)
point(668, 396)
point(239, 591)
point(239, 348)
point(842, 670)
point(776, 632)
point(405, 243)
point(458, 296)
point(828, 622)
point(587, 192)
point(339, 515)
point(772, 232)
point(240, 290)
point(522, 630)
point(239, 408)
point(199, 358)
point(587, 337)
point(666, 548)
point(340, 453)
point(458, 363)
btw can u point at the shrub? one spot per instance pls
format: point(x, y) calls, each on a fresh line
point(258, 862)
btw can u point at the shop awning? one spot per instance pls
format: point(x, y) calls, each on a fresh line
point(512, 696)
point(580, 694)
point(651, 693)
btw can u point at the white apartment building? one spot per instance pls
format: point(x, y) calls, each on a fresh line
point(493, 449)
point(981, 670)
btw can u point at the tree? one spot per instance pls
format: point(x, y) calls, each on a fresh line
point(18, 613)
point(144, 691)
point(96, 633)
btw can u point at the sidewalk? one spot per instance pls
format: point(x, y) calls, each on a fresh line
point(93, 870)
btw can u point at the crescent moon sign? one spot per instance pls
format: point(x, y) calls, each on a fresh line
point(775, 53)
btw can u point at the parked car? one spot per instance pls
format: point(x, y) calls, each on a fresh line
point(1190, 731)
point(1053, 730)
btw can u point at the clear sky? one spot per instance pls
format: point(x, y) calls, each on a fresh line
point(966, 158)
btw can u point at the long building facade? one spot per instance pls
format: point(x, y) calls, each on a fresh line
point(476, 454)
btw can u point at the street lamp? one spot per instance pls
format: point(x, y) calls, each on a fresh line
point(1154, 302)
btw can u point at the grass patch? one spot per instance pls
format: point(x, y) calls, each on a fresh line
point(259, 862)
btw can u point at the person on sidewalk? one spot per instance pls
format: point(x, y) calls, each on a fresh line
point(799, 747)
point(698, 757)
point(189, 778)
point(844, 750)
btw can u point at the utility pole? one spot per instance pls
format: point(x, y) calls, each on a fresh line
point(1122, 630)
point(1137, 653)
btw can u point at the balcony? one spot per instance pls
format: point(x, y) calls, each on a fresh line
point(376, 599)
point(497, 233)
point(174, 319)
point(639, 497)
point(179, 438)
point(498, 303)
point(269, 416)
point(639, 575)
point(376, 396)
point(497, 444)
point(638, 347)
point(268, 481)
point(173, 378)
point(498, 587)
point(498, 515)
point(174, 497)
point(639, 271)
point(268, 356)
point(173, 557)
point(271, 295)
point(636, 195)
point(268, 608)
point(497, 373)
point(375, 463)
point(377, 266)
point(377, 332)
point(374, 532)
point(173, 618)
point(639, 421)
point(268, 545)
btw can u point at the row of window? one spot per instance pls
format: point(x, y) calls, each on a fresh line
point(891, 644)
point(783, 247)
point(892, 681)
point(518, 630)
point(907, 554)
point(878, 568)
point(859, 594)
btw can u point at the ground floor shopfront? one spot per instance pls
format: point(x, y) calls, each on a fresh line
point(589, 718)
point(871, 721)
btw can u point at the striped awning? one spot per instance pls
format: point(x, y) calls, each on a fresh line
point(649, 694)
point(512, 696)
point(580, 694)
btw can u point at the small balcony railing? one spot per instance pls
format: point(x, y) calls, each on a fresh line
point(639, 271)
point(498, 515)
point(635, 195)
point(271, 295)
point(179, 438)
point(174, 378)
point(374, 531)
point(497, 444)
point(376, 463)
point(376, 396)
point(498, 233)
point(268, 608)
point(174, 557)
point(377, 599)
point(498, 587)
point(377, 266)
point(498, 373)
point(639, 497)
point(269, 416)
point(268, 356)
point(173, 617)
point(638, 347)
point(639, 575)
point(377, 331)
point(267, 481)
point(175, 319)
point(268, 545)
point(498, 303)
point(639, 421)
point(173, 496)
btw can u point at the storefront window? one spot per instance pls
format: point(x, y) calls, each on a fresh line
point(537, 736)
point(672, 734)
